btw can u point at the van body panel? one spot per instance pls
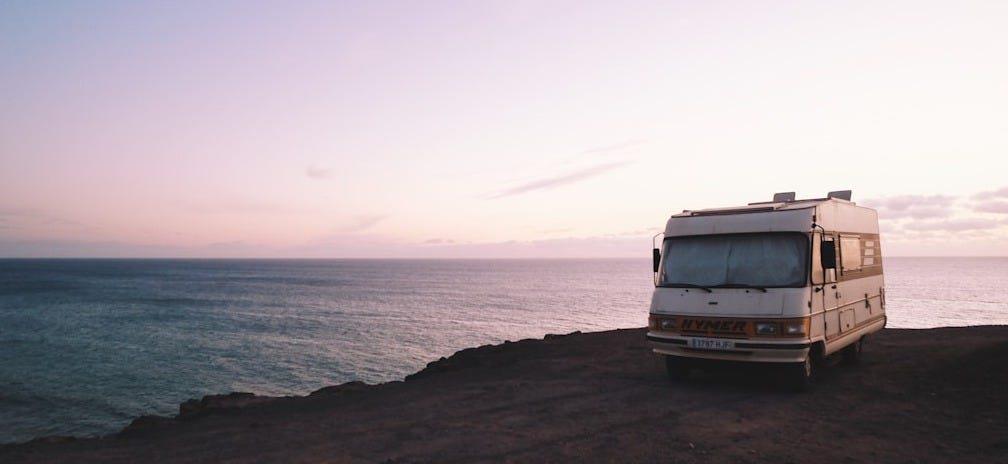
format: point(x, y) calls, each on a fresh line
point(786, 220)
point(730, 302)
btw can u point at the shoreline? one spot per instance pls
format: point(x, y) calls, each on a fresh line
point(926, 395)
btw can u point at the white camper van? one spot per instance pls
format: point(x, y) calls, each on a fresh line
point(787, 281)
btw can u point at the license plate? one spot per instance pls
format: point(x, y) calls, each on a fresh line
point(711, 344)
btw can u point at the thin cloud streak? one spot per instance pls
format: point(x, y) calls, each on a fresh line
point(17, 213)
point(238, 205)
point(611, 148)
point(559, 181)
point(954, 225)
point(18, 219)
point(363, 222)
point(318, 173)
point(438, 241)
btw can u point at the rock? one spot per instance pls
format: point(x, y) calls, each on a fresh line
point(217, 403)
point(145, 423)
point(340, 389)
point(559, 336)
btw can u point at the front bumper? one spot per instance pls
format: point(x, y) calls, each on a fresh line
point(774, 351)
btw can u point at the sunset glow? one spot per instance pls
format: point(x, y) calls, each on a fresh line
point(489, 129)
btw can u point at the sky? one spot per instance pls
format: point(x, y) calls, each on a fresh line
point(489, 128)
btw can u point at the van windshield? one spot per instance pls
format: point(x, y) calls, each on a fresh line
point(735, 260)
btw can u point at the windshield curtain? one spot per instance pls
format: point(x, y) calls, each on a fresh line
point(753, 260)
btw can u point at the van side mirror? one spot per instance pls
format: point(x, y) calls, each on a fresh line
point(827, 254)
point(656, 257)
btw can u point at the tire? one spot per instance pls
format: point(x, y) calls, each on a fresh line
point(799, 375)
point(852, 354)
point(678, 368)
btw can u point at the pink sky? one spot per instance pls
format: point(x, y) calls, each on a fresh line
point(496, 129)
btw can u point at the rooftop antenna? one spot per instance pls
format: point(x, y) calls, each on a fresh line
point(840, 194)
point(783, 197)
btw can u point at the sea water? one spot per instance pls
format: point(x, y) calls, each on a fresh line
point(88, 345)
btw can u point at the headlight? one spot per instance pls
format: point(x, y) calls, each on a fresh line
point(794, 327)
point(668, 324)
point(766, 328)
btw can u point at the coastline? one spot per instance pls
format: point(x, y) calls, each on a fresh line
point(920, 395)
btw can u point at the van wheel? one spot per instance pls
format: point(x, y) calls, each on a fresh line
point(800, 374)
point(678, 368)
point(853, 352)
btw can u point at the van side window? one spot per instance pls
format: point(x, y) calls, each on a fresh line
point(850, 254)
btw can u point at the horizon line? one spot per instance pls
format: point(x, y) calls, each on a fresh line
point(642, 257)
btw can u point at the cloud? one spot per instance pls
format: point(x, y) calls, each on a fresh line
point(922, 207)
point(54, 221)
point(369, 245)
point(23, 215)
point(642, 232)
point(363, 222)
point(238, 205)
point(906, 202)
point(954, 225)
point(230, 244)
point(16, 213)
point(559, 181)
point(913, 206)
point(12, 219)
point(438, 241)
point(568, 247)
point(607, 149)
point(117, 249)
point(999, 207)
point(999, 193)
point(318, 173)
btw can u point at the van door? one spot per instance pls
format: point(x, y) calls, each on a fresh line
point(826, 300)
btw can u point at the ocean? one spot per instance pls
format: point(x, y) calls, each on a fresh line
point(88, 345)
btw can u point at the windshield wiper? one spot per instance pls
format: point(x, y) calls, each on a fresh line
point(701, 287)
point(754, 287)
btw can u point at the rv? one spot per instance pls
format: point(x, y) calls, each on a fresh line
point(790, 282)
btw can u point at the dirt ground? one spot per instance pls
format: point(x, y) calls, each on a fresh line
point(936, 395)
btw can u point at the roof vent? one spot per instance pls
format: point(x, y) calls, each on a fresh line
point(783, 197)
point(840, 195)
